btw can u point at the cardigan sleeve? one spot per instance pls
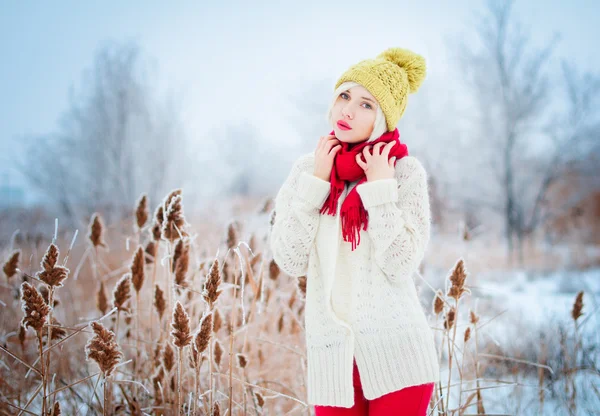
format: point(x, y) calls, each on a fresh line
point(296, 217)
point(399, 219)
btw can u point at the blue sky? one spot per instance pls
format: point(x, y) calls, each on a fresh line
point(237, 59)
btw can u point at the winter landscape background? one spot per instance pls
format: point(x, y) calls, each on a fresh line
point(141, 147)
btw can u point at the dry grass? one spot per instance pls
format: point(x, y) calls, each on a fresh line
point(236, 338)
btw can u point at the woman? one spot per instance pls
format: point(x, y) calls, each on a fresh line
point(354, 218)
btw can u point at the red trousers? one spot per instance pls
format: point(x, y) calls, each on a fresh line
point(409, 401)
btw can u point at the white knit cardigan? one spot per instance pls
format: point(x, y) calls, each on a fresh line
point(386, 330)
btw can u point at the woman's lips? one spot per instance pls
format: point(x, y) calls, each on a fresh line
point(343, 126)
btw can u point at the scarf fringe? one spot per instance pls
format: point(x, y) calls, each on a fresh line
point(330, 205)
point(351, 222)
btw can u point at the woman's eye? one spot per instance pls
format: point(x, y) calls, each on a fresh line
point(344, 95)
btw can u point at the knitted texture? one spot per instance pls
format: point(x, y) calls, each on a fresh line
point(390, 77)
point(382, 324)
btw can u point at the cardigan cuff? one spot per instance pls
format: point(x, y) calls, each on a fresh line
point(312, 189)
point(378, 192)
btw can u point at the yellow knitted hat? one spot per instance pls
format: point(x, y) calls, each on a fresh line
point(390, 77)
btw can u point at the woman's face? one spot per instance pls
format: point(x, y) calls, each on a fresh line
point(357, 108)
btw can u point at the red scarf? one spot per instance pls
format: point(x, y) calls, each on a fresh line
point(346, 169)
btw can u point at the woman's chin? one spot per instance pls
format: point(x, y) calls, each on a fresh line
point(343, 135)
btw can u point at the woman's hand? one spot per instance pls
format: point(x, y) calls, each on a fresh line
point(377, 165)
point(324, 155)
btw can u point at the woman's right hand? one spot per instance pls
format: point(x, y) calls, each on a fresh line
point(324, 155)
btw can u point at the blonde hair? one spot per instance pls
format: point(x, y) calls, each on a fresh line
point(379, 126)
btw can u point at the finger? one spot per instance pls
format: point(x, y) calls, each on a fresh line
point(330, 143)
point(378, 146)
point(360, 163)
point(331, 137)
point(367, 154)
point(392, 162)
point(387, 149)
point(333, 151)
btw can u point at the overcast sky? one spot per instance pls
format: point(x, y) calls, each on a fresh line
point(236, 55)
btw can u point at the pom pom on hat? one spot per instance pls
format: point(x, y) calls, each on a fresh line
point(412, 63)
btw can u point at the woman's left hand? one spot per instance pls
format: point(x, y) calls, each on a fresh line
point(377, 165)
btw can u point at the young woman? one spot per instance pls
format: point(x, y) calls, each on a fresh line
point(354, 218)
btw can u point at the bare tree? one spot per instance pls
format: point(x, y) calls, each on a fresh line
point(513, 95)
point(115, 141)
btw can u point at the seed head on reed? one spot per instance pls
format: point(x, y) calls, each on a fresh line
point(159, 301)
point(52, 274)
point(457, 278)
point(151, 249)
point(22, 336)
point(273, 270)
point(157, 224)
point(259, 399)
point(101, 299)
point(438, 302)
point(137, 269)
point(181, 326)
point(467, 334)
point(211, 291)
point(181, 266)
point(261, 357)
point(141, 212)
point(96, 229)
point(280, 322)
point(216, 409)
point(232, 239)
point(217, 352)
point(103, 349)
point(167, 201)
point(301, 285)
point(33, 305)
point(12, 264)
point(292, 300)
point(577, 306)
point(202, 337)
point(473, 318)
point(241, 360)
point(177, 253)
point(450, 318)
point(55, 411)
point(168, 357)
point(173, 220)
point(122, 292)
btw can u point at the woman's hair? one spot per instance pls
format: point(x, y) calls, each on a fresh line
point(379, 127)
